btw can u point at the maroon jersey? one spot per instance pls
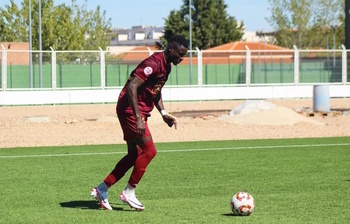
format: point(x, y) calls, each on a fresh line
point(154, 72)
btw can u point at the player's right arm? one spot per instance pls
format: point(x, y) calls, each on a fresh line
point(131, 91)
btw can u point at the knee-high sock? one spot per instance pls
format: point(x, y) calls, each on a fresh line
point(122, 167)
point(148, 152)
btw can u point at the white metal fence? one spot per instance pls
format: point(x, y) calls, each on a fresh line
point(98, 76)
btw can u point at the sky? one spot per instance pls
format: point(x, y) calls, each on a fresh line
point(128, 13)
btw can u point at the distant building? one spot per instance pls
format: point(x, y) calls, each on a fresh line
point(149, 35)
point(137, 36)
point(145, 37)
point(250, 36)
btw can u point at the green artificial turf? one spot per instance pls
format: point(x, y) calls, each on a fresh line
point(291, 180)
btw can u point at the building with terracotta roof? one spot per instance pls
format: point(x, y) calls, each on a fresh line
point(144, 38)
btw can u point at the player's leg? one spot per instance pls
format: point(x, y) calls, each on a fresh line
point(128, 126)
point(101, 191)
point(123, 165)
point(148, 152)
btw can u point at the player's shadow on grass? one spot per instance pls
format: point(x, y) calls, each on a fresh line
point(85, 205)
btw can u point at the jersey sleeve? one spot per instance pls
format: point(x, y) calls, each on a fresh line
point(146, 68)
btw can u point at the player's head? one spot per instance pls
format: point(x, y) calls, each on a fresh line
point(176, 49)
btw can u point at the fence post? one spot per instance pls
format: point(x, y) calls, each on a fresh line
point(296, 65)
point(199, 64)
point(60, 72)
point(91, 82)
point(3, 68)
point(149, 51)
point(11, 75)
point(344, 65)
point(248, 66)
point(103, 71)
point(53, 69)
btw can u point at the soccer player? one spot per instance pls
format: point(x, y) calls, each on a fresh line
point(137, 99)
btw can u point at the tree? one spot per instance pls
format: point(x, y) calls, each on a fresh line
point(305, 23)
point(211, 25)
point(12, 24)
point(98, 29)
point(59, 30)
point(63, 27)
point(329, 14)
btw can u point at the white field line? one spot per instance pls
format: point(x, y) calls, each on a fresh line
point(179, 150)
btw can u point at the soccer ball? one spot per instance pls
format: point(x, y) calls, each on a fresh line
point(242, 203)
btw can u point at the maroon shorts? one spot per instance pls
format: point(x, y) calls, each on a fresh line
point(128, 124)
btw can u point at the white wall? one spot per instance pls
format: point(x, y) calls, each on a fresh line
point(169, 94)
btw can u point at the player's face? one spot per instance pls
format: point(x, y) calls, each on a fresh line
point(177, 54)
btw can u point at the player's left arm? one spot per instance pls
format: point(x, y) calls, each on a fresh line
point(167, 118)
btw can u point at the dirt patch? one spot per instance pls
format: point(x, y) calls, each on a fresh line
point(273, 117)
point(197, 121)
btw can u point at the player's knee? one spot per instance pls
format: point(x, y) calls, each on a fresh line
point(132, 150)
point(132, 156)
point(149, 149)
point(152, 153)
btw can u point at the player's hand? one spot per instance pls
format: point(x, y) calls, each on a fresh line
point(140, 127)
point(170, 120)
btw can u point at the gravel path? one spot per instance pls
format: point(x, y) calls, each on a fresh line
point(197, 121)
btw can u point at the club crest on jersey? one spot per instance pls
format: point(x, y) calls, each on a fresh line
point(148, 70)
point(157, 87)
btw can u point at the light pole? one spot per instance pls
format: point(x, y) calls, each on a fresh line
point(190, 31)
point(347, 24)
point(30, 46)
point(40, 50)
point(327, 48)
point(333, 29)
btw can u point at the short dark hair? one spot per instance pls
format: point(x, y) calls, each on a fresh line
point(178, 39)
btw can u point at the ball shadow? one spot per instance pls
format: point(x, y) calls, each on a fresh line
point(231, 214)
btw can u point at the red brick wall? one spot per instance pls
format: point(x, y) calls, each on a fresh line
point(14, 57)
